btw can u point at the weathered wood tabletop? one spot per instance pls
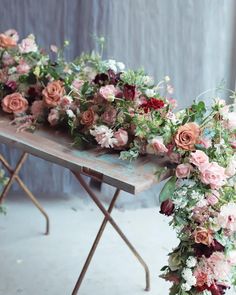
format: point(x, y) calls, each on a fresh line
point(56, 147)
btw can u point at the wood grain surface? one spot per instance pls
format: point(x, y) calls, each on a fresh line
point(56, 147)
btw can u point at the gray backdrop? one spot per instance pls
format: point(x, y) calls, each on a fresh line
point(192, 41)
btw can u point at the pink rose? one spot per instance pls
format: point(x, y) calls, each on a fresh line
point(109, 116)
point(227, 217)
point(65, 102)
point(53, 117)
point(198, 158)
point(77, 84)
point(28, 45)
point(23, 68)
point(205, 142)
point(7, 59)
point(121, 137)
point(231, 168)
point(108, 92)
point(212, 174)
point(37, 108)
point(213, 197)
point(158, 145)
point(183, 170)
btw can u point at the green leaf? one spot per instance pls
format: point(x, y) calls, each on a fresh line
point(168, 189)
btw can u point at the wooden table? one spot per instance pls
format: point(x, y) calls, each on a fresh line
point(57, 148)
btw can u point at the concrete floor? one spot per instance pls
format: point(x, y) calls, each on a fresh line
point(34, 264)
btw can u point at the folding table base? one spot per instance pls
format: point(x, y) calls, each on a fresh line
point(106, 219)
point(14, 176)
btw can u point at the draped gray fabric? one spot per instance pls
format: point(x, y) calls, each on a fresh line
point(192, 41)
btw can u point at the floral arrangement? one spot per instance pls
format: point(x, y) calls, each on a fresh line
point(201, 198)
point(101, 104)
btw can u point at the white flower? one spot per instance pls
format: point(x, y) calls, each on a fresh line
point(186, 287)
point(121, 66)
point(197, 196)
point(202, 203)
point(147, 80)
point(70, 113)
point(28, 45)
point(103, 136)
point(150, 92)
point(187, 273)
point(191, 262)
point(167, 78)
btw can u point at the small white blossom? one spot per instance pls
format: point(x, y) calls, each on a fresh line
point(186, 287)
point(150, 92)
point(70, 113)
point(147, 80)
point(191, 262)
point(202, 203)
point(187, 273)
point(121, 66)
point(167, 78)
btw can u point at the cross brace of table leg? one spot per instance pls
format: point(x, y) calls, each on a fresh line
point(14, 176)
point(109, 219)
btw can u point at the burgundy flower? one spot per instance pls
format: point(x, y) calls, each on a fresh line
point(217, 289)
point(129, 91)
point(101, 79)
point(201, 249)
point(152, 103)
point(155, 104)
point(113, 77)
point(167, 207)
point(12, 85)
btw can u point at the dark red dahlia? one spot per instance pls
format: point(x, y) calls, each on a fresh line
point(155, 103)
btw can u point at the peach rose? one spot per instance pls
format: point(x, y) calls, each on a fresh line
point(187, 136)
point(121, 137)
point(7, 41)
point(183, 170)
point(203, 236)
point(199, 158)
point(53, 93)
point(88, 117)
point(14, 103)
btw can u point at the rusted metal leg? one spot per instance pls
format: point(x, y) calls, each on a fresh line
point(95, 244)
point(14, 176)
point(109, 219)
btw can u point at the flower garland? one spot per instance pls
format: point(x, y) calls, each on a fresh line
point(101, 104)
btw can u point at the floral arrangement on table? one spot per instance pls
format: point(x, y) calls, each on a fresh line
point(101, 104)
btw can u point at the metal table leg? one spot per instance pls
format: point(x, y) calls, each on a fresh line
point(14, 176)
point(109, 219)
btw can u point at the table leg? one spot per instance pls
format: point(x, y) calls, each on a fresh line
point(109, 219)
point(14, 176)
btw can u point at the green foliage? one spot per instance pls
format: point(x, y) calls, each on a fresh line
point(168, 189)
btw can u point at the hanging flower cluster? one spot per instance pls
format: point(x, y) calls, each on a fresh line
point(99, 103)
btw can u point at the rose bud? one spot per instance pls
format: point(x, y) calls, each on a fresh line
point(167, 207)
